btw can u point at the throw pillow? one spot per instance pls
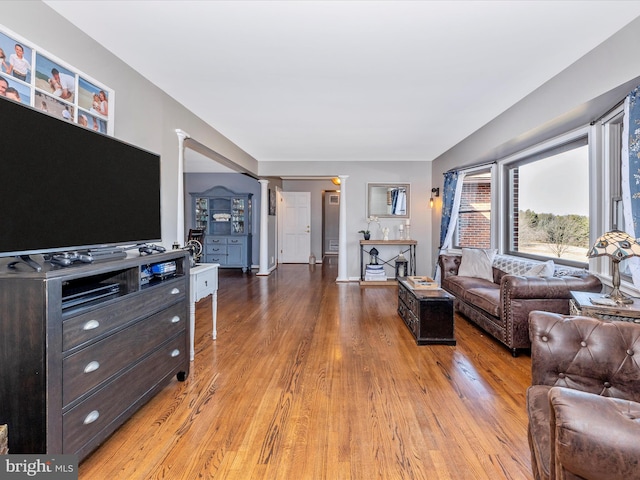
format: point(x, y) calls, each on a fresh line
point(477, 262)
point(546, 269)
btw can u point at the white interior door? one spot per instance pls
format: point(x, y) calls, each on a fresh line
point(296, 227)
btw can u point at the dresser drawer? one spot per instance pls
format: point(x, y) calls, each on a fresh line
point(220, 249)
point(98, 416)
point(98, 362)
point(227, 240)
point(236, 241)
point(88, 326)
point(413, 305)
point(203, 283)
point(215, 240)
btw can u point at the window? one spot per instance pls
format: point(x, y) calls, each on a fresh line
point(613, 129)
point(548, 204)
point(473, 228)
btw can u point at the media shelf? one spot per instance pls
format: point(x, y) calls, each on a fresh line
point(83, 347)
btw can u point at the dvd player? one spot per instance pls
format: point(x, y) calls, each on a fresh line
point(74, 296)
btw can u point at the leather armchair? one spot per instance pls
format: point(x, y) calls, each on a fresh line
point(584, 415)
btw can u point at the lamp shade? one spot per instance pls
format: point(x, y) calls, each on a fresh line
point(615, 244)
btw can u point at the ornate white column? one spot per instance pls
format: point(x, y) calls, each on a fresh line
point(180, 237)
point(264, 227)
point(342, 231)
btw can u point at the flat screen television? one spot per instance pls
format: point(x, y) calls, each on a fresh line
point(66, 188)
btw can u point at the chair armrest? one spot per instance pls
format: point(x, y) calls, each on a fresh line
point(449, 265)
point(594, 437)
point(516, 286)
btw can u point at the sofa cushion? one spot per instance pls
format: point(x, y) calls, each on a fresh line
point(458, 285)
point(546, 269)
point(477, 262)
point(486, 298)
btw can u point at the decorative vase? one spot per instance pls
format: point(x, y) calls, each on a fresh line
point(367, 236)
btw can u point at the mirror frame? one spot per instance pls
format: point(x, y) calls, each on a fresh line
point(371, 195)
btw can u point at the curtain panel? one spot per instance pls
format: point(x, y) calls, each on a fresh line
point(631, 173)
point(451, 194)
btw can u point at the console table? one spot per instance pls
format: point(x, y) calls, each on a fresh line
point(203, 282)
point(406, 246)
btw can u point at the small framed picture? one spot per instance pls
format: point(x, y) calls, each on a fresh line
point(272, 202)
point(334, 199)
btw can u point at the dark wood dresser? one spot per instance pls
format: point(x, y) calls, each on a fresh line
point(83, 347)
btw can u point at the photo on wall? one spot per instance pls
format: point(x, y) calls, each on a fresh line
point(52, 86)
point(15, 90)
point(55, 79)
point(54, 107)
point(16, 58)
point(95, 101)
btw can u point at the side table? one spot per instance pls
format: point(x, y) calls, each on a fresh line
point(204, 282)
point(580, 304)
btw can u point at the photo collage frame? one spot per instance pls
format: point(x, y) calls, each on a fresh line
point(33, 77)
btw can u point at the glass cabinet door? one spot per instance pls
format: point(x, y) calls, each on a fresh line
point(238, 215)
point(201, 213)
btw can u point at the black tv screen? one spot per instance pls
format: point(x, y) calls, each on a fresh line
point(64, 187)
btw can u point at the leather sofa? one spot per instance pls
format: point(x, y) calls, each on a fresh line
point(502, 307)
point(584, 415)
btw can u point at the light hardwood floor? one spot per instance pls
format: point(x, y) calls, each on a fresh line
point(310, 379)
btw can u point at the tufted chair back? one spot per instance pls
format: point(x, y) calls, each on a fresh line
point(584, 400)
point(586, 354)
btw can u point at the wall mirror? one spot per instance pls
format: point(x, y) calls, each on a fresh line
point(388, 200)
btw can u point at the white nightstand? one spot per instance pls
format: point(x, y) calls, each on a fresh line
point(204, 282)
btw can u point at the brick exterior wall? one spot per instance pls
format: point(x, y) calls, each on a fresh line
point(474, 220)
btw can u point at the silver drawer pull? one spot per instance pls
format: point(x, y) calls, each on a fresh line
point(91, 367)
point(175, 319)
point(92, 417)
point(175, 353)
point(91, 324)
point(175, 291)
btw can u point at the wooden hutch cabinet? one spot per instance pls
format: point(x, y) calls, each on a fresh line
point(225, 218)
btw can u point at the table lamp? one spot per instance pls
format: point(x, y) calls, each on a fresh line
point(618, 246)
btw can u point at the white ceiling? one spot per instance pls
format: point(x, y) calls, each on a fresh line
point(348, 80)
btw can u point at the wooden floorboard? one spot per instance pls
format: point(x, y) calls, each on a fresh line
point(313, 379)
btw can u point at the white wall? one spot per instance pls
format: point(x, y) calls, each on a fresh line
point(578, 95)
point(417, 174)
point(147, 117)
point(144, 115)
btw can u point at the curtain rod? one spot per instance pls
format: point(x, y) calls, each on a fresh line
point(609, 112)
point(477, 165)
